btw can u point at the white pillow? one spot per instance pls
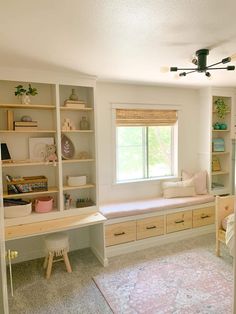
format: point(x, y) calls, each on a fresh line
point(199, 178)
point(178, 189)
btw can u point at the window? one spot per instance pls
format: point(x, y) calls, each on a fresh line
point(145, 144)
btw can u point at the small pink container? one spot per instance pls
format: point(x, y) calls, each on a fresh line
point(43, 204)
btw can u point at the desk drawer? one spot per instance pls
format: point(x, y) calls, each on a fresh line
point(203, 216)
point(179, 221)
point(150, 227)
point(120, 233)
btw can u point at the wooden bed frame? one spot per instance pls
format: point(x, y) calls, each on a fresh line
point(224, 207)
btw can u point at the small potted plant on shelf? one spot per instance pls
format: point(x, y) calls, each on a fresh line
point(221, 109)
point(25, 94)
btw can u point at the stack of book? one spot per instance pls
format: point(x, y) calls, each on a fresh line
point(25, 125)
point(78, 104)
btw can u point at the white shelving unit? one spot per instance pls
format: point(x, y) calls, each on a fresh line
point(220, 181)
point(48, 110)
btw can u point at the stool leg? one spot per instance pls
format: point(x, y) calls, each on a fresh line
point(67, 262)
point(45, 264)
point(49, 268)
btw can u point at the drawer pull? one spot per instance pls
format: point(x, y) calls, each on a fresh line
point(179, 221)
point(151, 227)
point(204, 216)
point(119, 234)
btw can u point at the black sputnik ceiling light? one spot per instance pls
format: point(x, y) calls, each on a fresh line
point(201, 62)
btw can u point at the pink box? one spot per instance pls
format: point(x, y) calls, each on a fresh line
point(43, 204)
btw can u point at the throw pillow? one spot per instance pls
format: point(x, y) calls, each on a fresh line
point(199, 178)
point(178, 189)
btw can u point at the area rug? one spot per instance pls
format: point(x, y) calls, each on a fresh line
point(184, 283)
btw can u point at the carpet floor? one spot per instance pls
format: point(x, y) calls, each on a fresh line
point(128, 284)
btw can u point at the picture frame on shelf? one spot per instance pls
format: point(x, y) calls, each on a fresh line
point(216, 164)
point(37, 147)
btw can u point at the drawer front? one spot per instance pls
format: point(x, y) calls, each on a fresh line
point(150, 227)
point(120, 233)
point(179, 221)
point(203, 216)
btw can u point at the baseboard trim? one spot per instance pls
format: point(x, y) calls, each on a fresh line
point(157, 241)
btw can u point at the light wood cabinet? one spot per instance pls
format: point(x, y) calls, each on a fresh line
point(178, 221)
point(120, 233)
point(203, 216)
point(150, 227)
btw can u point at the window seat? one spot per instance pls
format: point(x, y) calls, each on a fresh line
point(136, 225)
point(124, 209)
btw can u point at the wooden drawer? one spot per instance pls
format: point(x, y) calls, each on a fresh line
point(179, 221)
point(120, 233)
point(203, 216)
point(150, 227)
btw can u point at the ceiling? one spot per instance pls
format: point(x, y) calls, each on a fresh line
point(119, 40)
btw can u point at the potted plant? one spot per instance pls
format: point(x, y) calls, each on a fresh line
point(25, 93)
point(221, 108)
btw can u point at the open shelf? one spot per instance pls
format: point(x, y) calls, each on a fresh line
point(216, 173)
point(28, 131)
point(80, 187)
point(70, 161)
point(77, 131)
point(76, 109)
point(30, 106)
point(49, 191)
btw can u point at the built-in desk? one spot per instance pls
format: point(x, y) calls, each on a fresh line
point(93, 220)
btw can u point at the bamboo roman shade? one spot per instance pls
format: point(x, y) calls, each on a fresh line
point(142, 117)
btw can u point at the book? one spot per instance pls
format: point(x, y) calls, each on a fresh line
point(25, 128)
point(218, 145)
point(68, 101)
point(10, 120)
point(25, 123)
point(74, 103)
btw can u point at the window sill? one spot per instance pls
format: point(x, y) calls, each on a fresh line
point(148, 181)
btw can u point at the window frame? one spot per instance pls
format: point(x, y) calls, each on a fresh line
point(175, 145)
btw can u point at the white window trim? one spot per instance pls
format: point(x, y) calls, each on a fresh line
point(176, 161)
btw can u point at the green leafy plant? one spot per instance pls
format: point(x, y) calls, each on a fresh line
point(20, 91)
point(221, 108)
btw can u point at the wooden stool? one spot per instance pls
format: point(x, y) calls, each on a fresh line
point(57, 245)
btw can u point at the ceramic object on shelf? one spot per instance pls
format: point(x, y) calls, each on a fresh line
point(73, 95)
point(25, 99)
point(84, 124)
point(223, 126)
point(67, 147)
point(26, 119)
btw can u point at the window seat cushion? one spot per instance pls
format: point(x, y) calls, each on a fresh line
point(125, 209)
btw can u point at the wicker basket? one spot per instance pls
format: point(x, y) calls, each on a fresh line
point(27, 185)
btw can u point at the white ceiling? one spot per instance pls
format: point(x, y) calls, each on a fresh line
point(127, 40)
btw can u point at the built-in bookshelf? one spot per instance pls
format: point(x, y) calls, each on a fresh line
point(49, 110)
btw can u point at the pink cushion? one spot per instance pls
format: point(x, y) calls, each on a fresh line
point(199, 178)
point(178, 189)
point(125, 209)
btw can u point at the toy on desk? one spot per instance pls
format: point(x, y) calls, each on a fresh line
point(50, 154)
point(68, 125)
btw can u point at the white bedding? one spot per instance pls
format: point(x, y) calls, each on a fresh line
point(229, 235)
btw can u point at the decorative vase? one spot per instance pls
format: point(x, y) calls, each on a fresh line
point(84, 124)
point(223, 126)
point(25, 99)
point(73, 95)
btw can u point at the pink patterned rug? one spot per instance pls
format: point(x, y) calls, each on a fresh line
point(186, 283)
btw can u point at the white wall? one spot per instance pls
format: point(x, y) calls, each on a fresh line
point(108, 93)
